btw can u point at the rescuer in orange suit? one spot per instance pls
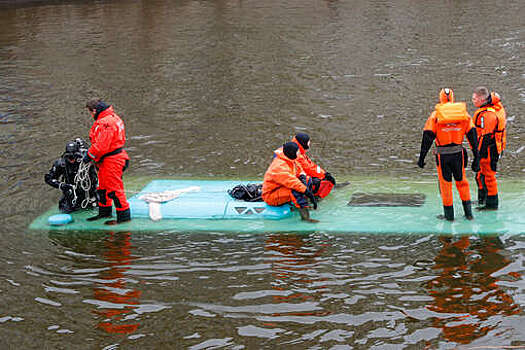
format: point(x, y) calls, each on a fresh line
point(108, 136)
point(448, 125)
point(284, 182)
point(490, 122)
point(322, 181)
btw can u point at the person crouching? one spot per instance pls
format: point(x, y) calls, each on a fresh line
point(78, 187)
point(282, 182)
point(323, 181)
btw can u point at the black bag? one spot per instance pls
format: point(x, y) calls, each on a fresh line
point(247, 193)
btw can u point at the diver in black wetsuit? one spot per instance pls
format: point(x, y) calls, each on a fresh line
point(77, 181)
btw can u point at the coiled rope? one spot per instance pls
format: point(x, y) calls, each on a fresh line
point(83, 182)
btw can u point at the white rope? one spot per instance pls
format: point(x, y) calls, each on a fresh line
point(83, 182)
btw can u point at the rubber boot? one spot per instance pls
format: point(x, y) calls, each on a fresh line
point(482, 197)
point(449, 213)
point(491, 203)
point(467, 208)
point(103, 212)
point(305, 215)
point(122, 216)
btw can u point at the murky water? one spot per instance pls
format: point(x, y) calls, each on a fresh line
point(210, 89)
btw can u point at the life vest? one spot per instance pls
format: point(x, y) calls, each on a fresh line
point(451, 112)
point(500, 133)
point(449, 123)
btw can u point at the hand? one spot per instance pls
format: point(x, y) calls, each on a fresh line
point(302, 178)
point(475, 164)
point(329, 177)
point(312, 198)
point(86, 158)
point(67, 189)
point(421, 163)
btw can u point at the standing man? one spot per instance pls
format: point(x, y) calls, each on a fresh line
point(323, 181)
point(108, 136)
point(448, 125)
point(490, 121)
point(284, 183)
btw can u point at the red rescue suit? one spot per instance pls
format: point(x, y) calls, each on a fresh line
point(280, 179)
point(313, 170)
point(108, 136)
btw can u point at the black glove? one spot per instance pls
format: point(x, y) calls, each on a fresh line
point(475, 164)
point(86, 158)
point(421, 163)
point(302, 178)
point(329, 177)
point(312, 198)
point(67, 189)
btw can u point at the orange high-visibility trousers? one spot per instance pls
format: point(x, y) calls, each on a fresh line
point(110, 185)
point(452, 166)
point(486, 177)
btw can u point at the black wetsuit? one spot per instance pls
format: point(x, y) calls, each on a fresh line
point(63, 172)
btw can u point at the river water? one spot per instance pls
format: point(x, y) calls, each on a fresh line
point(208, 89)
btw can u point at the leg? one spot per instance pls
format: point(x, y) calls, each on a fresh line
point(65, 204)
point(116, 167)
point(104, 202)
point(482, 188)
point(278, 197)
point(462, 184)
point(301, 202)
point(285, 195)
point(491, 184)
point(445, 187)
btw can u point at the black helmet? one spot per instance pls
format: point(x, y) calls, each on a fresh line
point(72, 151)
point(82, 145)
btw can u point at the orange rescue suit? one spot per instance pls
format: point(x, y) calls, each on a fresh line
point(490, 121)
point(280, 179)
point(308, 166)
point(450, 123)
point(313, 170)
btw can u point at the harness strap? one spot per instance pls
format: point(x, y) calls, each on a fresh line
point(449, 149)
point(112, 153)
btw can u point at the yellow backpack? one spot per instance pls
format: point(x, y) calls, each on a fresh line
point(451, 112)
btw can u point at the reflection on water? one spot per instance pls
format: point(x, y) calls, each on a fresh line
point(274, 290)
point(118, 301)
point(466, 292)
point(293, 257)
